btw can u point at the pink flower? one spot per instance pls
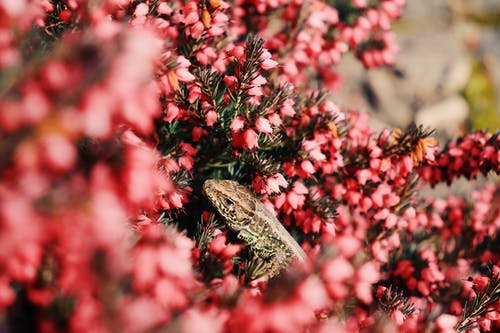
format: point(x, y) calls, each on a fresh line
point(167, 292)
point(237, 124)
point(314, 150)
point(337, 269)
point(336, 273)
point(404, 268)
point(164, 8)
point(186, 161)
point(348, 245)
point(139, 315)
point(250, 139)
point(267, 63)
point(262, 125)
point(258, 81)
point(307, 167)
point(265, 55)
point(190, 12)
point(172, 112)
point(269, 185)
point(366, 275)
point(275, 182)
point(237, 52)
point(59, 153)
point(313, 294)
point(445, 323)
point(197, 321)
point(363, 176)
point(174, 262)
point(398, 317)
point(211, 118)
point(218, 244)
point(300, 188)
point(275, 119)
point(295, 200)
point(332, 325)
point(391, 9)
point(141, 10)
point(359, 3)
point(286, 109)
point(194, 93)
point(255, 91)
point(140, 177)
point(197, 29)
point(184, 75)
point(218, 27)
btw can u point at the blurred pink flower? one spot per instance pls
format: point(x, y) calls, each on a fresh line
point(197, 321)
point(445, 323)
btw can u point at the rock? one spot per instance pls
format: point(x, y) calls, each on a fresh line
point(428, 14)
point(430, 68)
point(433, 66)
point(455, 76)
point(459, 187)
point(351, 95)
point(387, 99)
point(446, 116)
point(378, 124)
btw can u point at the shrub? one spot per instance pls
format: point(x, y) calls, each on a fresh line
point(113, 114)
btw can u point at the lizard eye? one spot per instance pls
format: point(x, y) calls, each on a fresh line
point(228, 202)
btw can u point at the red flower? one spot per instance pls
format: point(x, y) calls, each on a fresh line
point(7, 294)
point(219, 247)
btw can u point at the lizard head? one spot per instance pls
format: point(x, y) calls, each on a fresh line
point(233, 201)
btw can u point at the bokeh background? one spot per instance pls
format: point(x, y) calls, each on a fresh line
point(446, 76)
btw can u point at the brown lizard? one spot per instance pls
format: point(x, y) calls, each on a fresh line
point(255, 224)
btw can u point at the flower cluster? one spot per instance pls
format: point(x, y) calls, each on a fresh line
point(114, 113)
point(472, 155)
point(313, 37)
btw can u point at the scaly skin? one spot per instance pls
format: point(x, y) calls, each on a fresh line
point(254, 223)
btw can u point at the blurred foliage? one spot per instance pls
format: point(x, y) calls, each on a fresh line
point(480, 95)
point(486, 18)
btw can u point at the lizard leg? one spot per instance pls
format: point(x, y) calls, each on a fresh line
point(257, 244)
point(275, 257)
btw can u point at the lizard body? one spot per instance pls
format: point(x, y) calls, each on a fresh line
point(255, 224)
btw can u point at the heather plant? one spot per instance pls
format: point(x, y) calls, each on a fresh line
point(112, 115)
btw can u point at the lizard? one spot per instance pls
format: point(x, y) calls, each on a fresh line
point(254, 224)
